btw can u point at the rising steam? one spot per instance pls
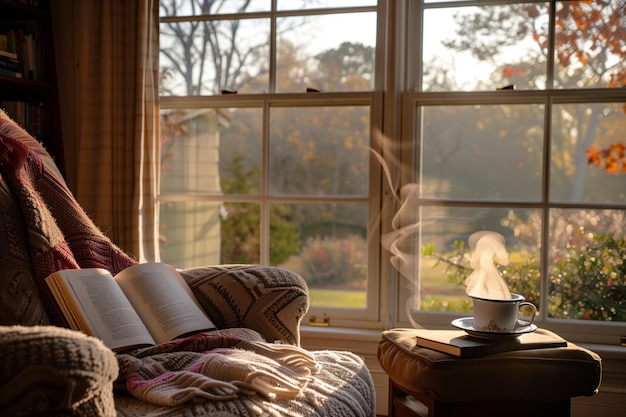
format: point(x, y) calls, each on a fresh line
point(485, 281)
point(403, 242)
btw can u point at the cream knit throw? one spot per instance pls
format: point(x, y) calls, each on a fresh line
point(219, 365)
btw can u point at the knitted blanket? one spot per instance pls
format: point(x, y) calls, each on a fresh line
point(339, 385)
point(60, 234)
point(219, 365)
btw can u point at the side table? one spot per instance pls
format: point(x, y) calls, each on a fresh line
point(538, 382)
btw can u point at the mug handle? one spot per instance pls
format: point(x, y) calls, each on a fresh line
point(521, 323)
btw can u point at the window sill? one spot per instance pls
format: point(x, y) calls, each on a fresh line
point(606, 351)
point(337, 333)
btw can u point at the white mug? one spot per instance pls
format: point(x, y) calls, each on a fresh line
point(500, 315)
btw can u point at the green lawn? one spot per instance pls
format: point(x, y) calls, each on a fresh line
point(340, 298)
point(433, 281)
point(438, 293)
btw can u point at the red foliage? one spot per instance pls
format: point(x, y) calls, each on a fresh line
point(612, 158)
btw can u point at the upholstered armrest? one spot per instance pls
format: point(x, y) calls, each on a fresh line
point(267, 299)
point(53, 371)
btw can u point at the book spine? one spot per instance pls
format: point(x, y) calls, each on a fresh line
point(10, 73)
point(22, 49)
point(4, 53)
point(4, 43)
point(30, 56)
point(10, 64)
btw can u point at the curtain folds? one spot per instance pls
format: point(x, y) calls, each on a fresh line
point(118, 130)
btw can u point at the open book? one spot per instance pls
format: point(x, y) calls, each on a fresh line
point(462, 345)
point(145, 304)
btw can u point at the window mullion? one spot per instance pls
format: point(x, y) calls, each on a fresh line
point(273, 50)
point(545, 211)
point(264, 200)
point(551, 47)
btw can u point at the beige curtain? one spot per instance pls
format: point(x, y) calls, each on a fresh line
point(117, 131)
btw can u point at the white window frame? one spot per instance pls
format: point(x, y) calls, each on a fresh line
point(340, 317)
point(392, 102)
point(576, 330)
point(370, 316)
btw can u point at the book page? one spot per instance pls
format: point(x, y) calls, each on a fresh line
point(104, 308)
point(159, 296)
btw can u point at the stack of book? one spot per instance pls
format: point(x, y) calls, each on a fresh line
point(9, 63)
point(462, 345)
point(20, 51)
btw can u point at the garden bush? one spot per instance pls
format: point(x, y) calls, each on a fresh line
point(586, 270)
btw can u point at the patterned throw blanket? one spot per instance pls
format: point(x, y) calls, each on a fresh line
point(218, 365)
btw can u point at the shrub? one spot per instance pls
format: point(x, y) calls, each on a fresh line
point(586, 272)
point(334, 261)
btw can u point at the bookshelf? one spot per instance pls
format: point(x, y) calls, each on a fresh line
point(28, 85)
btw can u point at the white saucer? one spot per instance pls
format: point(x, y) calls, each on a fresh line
point(466, 323)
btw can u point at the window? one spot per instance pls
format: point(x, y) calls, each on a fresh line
point(507, 101)
point(490, 112)
point(267, 109)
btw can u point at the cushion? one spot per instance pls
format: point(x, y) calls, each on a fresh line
point(267, 299)
point(545, 374)
point(56, 372)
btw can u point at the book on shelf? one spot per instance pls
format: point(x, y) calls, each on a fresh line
point(7, 46)
point(143, 305)
point(462, 345)
point(10, 64)
point(4, 53)
point(21, 41)
point(10, 73)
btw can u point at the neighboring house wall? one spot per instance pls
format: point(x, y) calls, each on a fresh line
point(192, 166)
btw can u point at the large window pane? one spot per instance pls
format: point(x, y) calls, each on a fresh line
point(587, 264)
point(484, 48)
point(590, 44)
point(319, 151)
point(240, 233)
point(332, 255)
point(202, 7)
point(211, 151)
point(241, 151)
point(206, 57)
point(318, 52)
point(190, 233)
point(482, 152)
point(322, 4)
point(190, 152)
point(195, 233)
point(577, 129)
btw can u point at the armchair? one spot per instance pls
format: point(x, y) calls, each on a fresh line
point(50, 370)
